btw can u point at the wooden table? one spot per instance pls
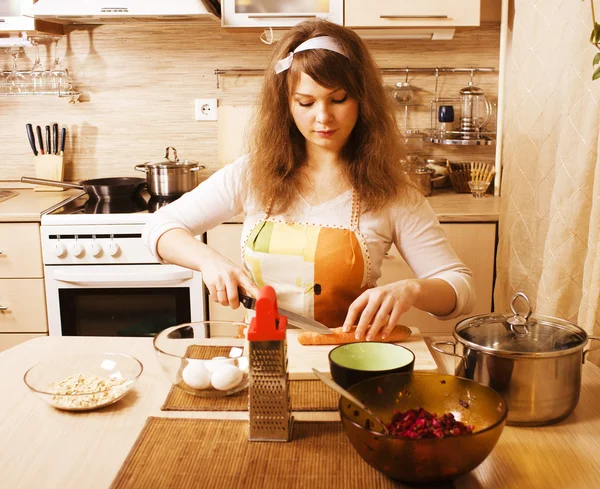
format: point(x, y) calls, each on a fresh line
point(41, 447)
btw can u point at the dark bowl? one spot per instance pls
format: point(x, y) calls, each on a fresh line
point(354, 362)
point(429, 459)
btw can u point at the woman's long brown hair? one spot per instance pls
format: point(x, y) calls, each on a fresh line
point(373, 151)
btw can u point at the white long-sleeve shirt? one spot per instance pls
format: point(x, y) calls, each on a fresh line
point(414, 229)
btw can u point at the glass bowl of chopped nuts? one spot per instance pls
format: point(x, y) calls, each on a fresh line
point(84, 382)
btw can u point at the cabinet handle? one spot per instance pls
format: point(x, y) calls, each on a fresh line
point(279, 16)
point(414, 17)
point(3, 308)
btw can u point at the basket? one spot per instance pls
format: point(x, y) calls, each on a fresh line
point(462, 172)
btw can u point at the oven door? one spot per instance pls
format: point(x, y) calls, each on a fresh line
point(121, 300)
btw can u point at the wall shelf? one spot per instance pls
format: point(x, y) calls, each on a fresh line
point(384, 71)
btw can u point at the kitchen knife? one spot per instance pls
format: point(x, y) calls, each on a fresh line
point(31, 138)
point(48, 142)
point(62, 142)
point(38, 130)
point(293, 318)
point(55, 138)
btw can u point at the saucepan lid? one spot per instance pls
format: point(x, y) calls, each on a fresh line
point(171, 161)
point(521, 334)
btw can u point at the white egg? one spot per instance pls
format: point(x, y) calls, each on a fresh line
point(196, 375)
point(226, 377)
point(244, 364)
point(216, 362)
point(235, 352)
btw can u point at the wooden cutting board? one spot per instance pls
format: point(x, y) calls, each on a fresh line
point(302, 359)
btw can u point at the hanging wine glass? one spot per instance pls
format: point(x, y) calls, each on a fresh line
point(16, 82)
point(38, 73)
point(58, 75)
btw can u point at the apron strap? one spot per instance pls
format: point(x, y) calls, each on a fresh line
point(269, 207)
point(355, 213)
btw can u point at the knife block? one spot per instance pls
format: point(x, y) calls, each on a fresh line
point(49, 167)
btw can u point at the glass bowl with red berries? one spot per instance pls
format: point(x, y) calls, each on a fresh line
point(437, 427)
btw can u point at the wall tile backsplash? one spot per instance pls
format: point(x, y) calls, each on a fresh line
point(139, 83)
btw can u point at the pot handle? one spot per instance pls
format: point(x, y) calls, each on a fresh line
point(143, 168)
point(436, 346)
point(585, 353)
point(198, 168)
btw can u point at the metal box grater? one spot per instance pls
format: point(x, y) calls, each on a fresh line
point(268, 399)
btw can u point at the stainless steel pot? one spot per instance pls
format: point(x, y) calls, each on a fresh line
point(171, 177)
point(533, 361)
point(422, 177)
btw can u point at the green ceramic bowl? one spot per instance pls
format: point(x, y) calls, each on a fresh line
point(354, 362)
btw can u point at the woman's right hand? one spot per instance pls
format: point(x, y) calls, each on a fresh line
point(222, 278)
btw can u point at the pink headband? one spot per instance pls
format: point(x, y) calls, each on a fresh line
point(323, 42)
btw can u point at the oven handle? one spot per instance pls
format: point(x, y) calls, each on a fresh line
point(119, 279)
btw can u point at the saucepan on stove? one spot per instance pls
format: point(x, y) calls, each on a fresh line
point(534, 362)
point(171, 176)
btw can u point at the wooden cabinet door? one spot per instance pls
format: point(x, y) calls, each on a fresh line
point(272, 13)
point(475, 245)
point(22, 306)
point(20, 250)
point(226, 239)
point(409, 13)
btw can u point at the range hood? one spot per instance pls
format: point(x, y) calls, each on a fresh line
point(121, 11)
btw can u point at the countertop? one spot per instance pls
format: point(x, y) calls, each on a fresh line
point(448, 205)
point(454, 207)
point(28, 205)
point(45, 448)
point(451, 206)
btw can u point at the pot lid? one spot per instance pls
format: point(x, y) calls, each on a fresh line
point(171, 162)
point(419, 169)
point(472, 90)
point(521, 334)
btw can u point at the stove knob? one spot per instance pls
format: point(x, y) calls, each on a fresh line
point(77, 249)
point(95, 248)
point(60, 249)
point(113, 248)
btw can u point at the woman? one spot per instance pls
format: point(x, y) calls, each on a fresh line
point(323, 197)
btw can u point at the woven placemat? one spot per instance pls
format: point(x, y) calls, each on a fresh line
point(305, 395)
point(216, 454)
point(207, 352)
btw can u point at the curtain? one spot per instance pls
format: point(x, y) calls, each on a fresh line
point(549, 230)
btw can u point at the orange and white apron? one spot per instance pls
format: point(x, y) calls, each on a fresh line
point(316, 270)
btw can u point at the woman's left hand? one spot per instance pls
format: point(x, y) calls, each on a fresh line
point(380, 308)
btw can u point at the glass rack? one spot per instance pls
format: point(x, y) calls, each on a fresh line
point(38, 80)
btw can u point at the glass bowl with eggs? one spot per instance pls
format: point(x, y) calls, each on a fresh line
point(202, 366)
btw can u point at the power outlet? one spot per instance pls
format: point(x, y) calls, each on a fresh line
point(206, 109)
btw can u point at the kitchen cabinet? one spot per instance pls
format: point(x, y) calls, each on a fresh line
point(22, 297)
point(475, 245)
point(274, 13)
point(12, 21)
point(226, 239)
point(408, 13)
point(20, 251)
point(474, 242)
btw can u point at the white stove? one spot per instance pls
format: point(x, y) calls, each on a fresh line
point(101, 280)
